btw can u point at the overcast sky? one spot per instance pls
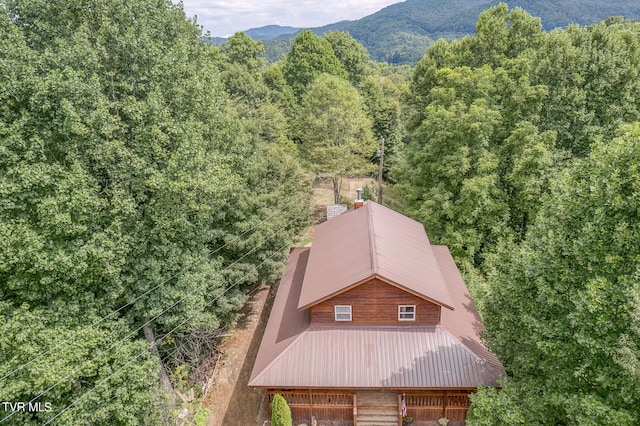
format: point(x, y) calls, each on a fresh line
point(224, 18)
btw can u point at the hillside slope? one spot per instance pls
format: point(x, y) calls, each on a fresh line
point(400, 33)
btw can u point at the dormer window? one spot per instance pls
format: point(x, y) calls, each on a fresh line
point(342, 312)
point(407, 313)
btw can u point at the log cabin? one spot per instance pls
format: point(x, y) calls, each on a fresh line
point(373, 325)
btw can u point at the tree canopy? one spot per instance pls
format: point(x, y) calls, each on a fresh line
point(497, 113)
point(402, 32)
point(352, 55)
point(334, 130)
point(562, 314)
point(309, 57)
point(149, 180)
point(132, 198)
point(519, 159)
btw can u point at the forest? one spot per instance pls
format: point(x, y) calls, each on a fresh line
point(149, 181)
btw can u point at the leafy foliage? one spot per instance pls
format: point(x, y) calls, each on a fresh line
point(125, 171)
point(280, 412)
point(309, 57)
point(562, 313)
point(334, 131)
point(352, 55)
point(384, 97)
point(402, 32)
point(242, 50)
point(475, 150)
point(137, 160)
point(491, 128)
point(592, 76)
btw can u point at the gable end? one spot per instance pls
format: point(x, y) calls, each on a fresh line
point(376, 302)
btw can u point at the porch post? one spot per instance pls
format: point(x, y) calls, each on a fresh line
point(355, 409)
point(444, 404)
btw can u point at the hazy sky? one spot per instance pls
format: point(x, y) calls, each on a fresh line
point(224, 18)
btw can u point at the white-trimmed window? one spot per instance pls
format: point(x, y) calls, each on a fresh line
point(407, 313)
point(342, 312)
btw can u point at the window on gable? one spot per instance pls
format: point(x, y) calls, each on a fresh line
point(407, 313)
point(342, 312)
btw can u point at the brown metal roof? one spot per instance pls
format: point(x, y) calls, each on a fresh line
point(286, 323)
point(463, 321)
point(376, 357)
point(372, 241)
point(296, 354)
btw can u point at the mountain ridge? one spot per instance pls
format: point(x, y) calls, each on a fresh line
point(270, 32)
point(401, 32)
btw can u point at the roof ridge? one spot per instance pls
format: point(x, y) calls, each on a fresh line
point(372, 238)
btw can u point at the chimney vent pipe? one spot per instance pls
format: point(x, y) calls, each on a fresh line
point(359, 201)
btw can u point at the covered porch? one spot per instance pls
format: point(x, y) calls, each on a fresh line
point(375, 407)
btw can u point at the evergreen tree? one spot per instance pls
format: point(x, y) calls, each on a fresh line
point(280, 412)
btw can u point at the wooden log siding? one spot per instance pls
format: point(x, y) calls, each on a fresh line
point(430, 406)
point(324, 406)
point(377, 302)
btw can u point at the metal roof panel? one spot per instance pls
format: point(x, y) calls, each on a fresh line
point(372, 240)
point(377, 357)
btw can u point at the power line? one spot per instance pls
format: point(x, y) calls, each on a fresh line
point(159, 340)
point(120, 342)
point(101, 320)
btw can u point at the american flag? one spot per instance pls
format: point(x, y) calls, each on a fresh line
point(404, 406)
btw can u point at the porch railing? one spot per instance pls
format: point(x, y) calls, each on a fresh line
point(429, 406)
point(321, 405)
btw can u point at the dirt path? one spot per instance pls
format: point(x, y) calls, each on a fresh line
point(323, 196)
point(231, 402)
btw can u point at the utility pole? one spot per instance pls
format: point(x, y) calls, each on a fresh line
point(380, 171)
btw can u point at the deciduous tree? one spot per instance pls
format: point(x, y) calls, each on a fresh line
point(562, 313)
point(352, 55)
point(309, 57)
point(334, 131)
point(130, 191)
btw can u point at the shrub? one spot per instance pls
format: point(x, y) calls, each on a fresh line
point(367, 193)
point(280, 412)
